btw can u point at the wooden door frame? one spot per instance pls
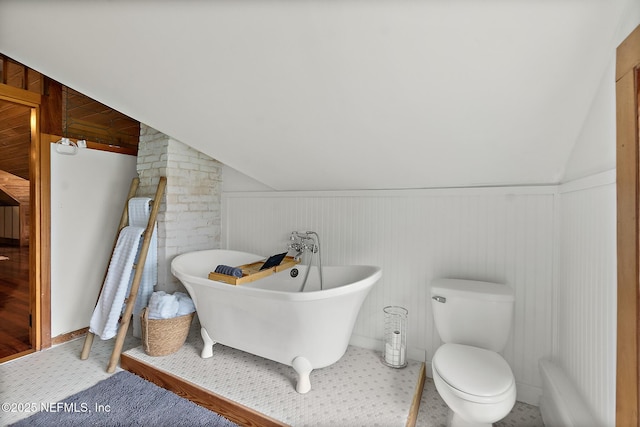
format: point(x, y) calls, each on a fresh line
point(628, 229)
point(40, 227)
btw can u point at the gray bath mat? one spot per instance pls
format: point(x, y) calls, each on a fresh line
point(125, 399)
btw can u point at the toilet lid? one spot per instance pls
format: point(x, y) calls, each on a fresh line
point(472, 370)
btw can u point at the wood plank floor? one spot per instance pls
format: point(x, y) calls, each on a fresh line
point(14, 301)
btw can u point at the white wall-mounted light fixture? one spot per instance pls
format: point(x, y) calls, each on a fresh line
point(68, 147)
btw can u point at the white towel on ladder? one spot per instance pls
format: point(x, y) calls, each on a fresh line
point(117, 284)
point(139, 213)
point(104, 321)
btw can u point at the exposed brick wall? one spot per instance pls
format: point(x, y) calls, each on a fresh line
point(189, 217)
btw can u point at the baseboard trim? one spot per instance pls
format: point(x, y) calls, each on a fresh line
point(63, 338)
point(16, 356)
point(528, 394)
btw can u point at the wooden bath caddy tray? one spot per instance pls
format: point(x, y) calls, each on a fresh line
point(251, 272)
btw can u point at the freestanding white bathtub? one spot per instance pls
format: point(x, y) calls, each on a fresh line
point(270, 317)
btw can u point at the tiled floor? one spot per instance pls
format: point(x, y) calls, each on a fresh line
point(358, 390)
point(356, 384)
point(433, 411)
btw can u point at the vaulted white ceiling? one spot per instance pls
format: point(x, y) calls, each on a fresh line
point(353, 94)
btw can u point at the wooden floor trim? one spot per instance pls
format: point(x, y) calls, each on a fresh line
point(61, 339)
point(16, 356)
point(229, 409)
point(417, 396)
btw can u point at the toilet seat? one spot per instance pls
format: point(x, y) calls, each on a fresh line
point(474, 374)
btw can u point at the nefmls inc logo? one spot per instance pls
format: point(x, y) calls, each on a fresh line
point(64, 407)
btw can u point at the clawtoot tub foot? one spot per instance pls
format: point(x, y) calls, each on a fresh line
point(207, 349)
point(303, 368)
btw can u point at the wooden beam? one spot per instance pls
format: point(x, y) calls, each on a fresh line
point(3, 77)
point(44, 219)
point(51, 118)
point(627, 54)
point(21, 96)
point(628, 230)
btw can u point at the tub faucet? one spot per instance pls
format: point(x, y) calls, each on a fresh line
point(302, 241)
point(298, 248)
point(295, 245)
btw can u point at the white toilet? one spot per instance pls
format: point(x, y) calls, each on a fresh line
point(473, 319)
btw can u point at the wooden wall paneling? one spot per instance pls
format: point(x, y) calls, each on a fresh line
point(21, 96)
point(15, 138)
point(51, 109)
point(85, 118)
point(627, 187)
point(34, 81)
point(69, 113)
point(16, 74)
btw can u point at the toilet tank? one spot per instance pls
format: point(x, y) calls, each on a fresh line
point(472, 312)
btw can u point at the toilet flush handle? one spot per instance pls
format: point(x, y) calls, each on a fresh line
point(439, 299)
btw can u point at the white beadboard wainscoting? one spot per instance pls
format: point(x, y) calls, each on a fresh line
point(585, 346)
point(506, 235)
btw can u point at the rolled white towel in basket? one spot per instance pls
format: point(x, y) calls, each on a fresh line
point(163, 305)
point(186, 304)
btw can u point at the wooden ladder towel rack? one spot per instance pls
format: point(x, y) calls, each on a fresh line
point(131, 299)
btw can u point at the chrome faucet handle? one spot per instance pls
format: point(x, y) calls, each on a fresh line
point(295, 246)
point(312, 247)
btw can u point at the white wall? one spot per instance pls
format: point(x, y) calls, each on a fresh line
point(496, 234)
point(584, 337)
point(586, 293)
point(237, 181)
point(339, 80)
point(88, 192)
point(595, 149)
point(586, 306)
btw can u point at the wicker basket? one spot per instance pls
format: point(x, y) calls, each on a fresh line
point(161, 337)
